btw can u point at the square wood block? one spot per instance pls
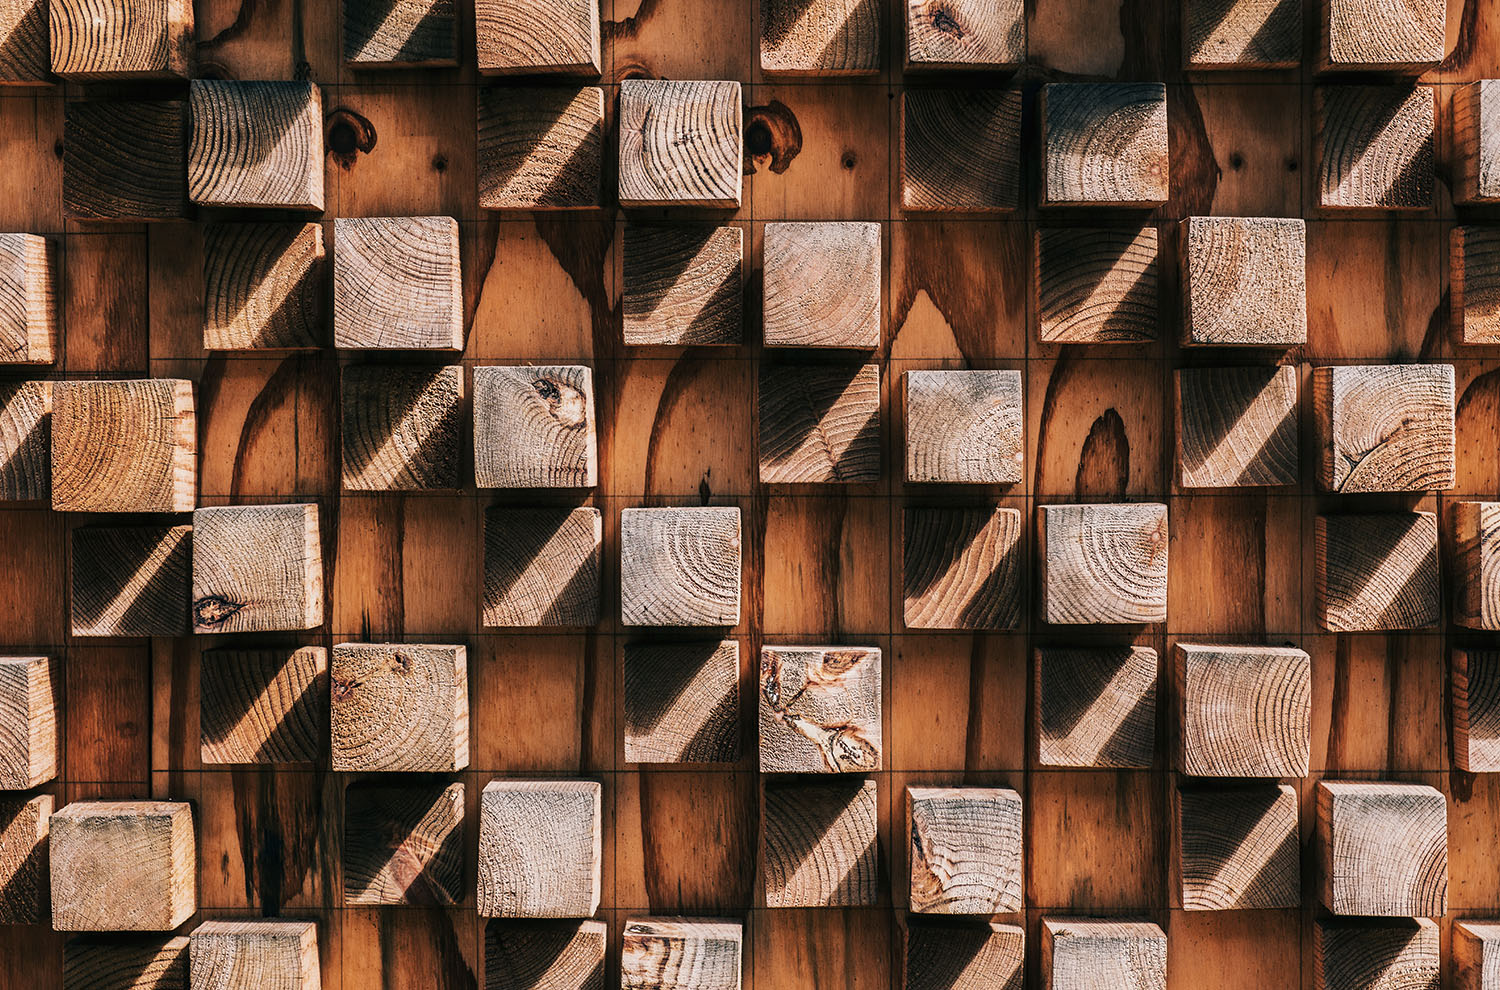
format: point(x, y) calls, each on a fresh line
point(257, 568)
point(821, 285)
point(530, 37)
point(263, 286)
point(715, 946)
point(1103, 563)
point(541, 566)
point(404, 844)
point(1104, 144)
point(256, 144)
point(1476, 140)
point(1242, 711)
point(131, 580)
point(1236, 427)
point(544, 955)
point(124, 446)
point(540, 149)
point(1474, 284)
point(820, 37)
point(399, 707)
point(1244, 281)
point(24, 24)
point(950, 956)
point(1476, 955)
point(399, 34)
point(1237, 848)
point(820, 709)
point(1375, 147)
point(1381, 35)
point(964, 427)
point(29, 270)
point(680, 566)
point(818, 843)
point(1100, 953)
point(1241, 34)
point(961, 568)
point(959, 35)
point(965, 849)
point(402, 427)
point(271, 953)
point(534, 427)
point(819, 424)
point(1349, 954)
point(961, 150)
point(30, 693)
point(540, 847)
point(1096, 706)
point(682, 285)
point(1384, 428)
point(24, 897)
point(397, 284)
point(263, 705)
point(682, 702)
point(1377, 572)
point(25, 441)
point(697, 127)
point(92, 42)
point(125, 160)
point(1097, 285)
point(142, 852)
point(1475, 690)
point(1382, 849)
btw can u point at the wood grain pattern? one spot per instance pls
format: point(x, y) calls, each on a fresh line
point(540, 149)
point(1097, 285)
point(28, 299)
point(392, 34)
point(1104, 144)
point(1476, 955)
point(1476, 564)
point(273, 955)
point(402, 427)
point(256, 144)
point(820, 709)
point(961, 568)
point(821, 285)
point(1236, 426)
point(541, 566)
point(544, 955)
point(680, 566)
point(558, 37)
point(819, 424)
point(1376, 955)
point(106, 963)
point(960, 150)
point(1476, 139)
point(24, 57)
point(404, 845)
point(257, 568)
point(540, 847)
point(966, 34)
point(30, 737)
point(682, 285)
point(964, 849)
point(1474, 284)
point(131, 580)
point(396, 283)
point(399, 707)
point(820, 37)
point(1381, 35)
point(1376, 572)
point(1099, 954)
point(1096, 707)
point(1475, 694)
point(818, 845)
point(947, 956)
point(1384, 428)
point(1375, 147)
point(25, 441)
point(263, 705)
point(142, 852)
point(1242, 34)
point(1382, 849)
point(125, 159)
point(681, 143)
point(101, 39)
point(1244, 281)
point(964, 427)
point(681, 954)
point(1242, 711)
point(1237, 848)
point(534, 427)
point(682, 702)
point(263, 286)
point(1103, 563)
point(124, 446)
point(24, 896)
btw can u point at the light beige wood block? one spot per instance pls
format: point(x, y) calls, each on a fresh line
point(950, 956)
point(820, 709)
point(681, 143)
point(681, 954)
point(29, 270)
point(266, 705)
point(399, 34)
point(682, 702)
point(1384, 428)
point(544, 955)
point(818, 844)
point(1242, 711)
point(1476, 142)
point(1237, 848)
point(540, 148)
point(820, 37)
point(1376, 572)
point(124, 446)
point(964, 849)
point(1244, 281)
point(540, 845)
point(680, 566)
point(1104, 144)
point(131, 580)
point(257, 568)
point(142, 852)
point(93, 40)
point(961, 568)
point(1476, 563)
point(1358, 954)
point(1236, 427)
point(1375, 147)
point(1241, 34)
point(965, 35)
point(534, 427)
point(538, 37)
point(266, 954)
point(399, 707)
point(1474, 284)
point(110, 963)
point(1102, 954)
point(1476, 955)
point(30, 737)
point(1103, 563)
point(1381, 35)
point(1382, 848)
point(821, 285)
point(964, 427)
point(263, 286)
point(397, 284)
point(961, 150)
point(256, 144)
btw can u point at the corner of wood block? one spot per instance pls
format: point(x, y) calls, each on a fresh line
point(1383, 849)
point(30, 708)
point(24, 897)
point(279, 952)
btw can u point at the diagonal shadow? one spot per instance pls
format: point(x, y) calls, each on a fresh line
point(299, 309)
point(26, 466)
point(521, 576)
point(938, 954)
point(382, 820)
point(537, 953)
point(1092, 259)
point(1372, 548)
point(661, 694)
point(133, 580)
point(1070, 701)
point(516, 165)
point(669, 253)
point(800, 818)
point(955, 534)
point(297, 734)
point(25, 882)
point(1212, 429)
point(1277, 38)
point(1223, 849)
point(24, 47)
point(802, 414)
point(391, 396)
point(366, 20)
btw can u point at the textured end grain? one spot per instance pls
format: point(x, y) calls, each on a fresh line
point(540, 149)
point(965, 34)
point(680, 566)
point(124, 446)
point(1382, 849)
point(402, 427)
point(961, 150)
point(396, 283)
point(540, 847)
point(1243, 711)
point(1377, 572)
point(819, 424)
point(1104, 144)
point(142, 852)
point(257, 568)
point(681, 143)
point(263, 706)
point(964, 847)
point(1375, 146)
point(1103, 563)
point(399, 706)
point(555, 37)
point(1236, 427)
point(541, 566)
point(819, 844)
point(1097, 285)
point(1353, 955)
point(131, 581)
point(1237, 848)
point(1096, 707)
point(534, 427)
point(682, 702)
point(961, 568)
point(964, 427)
point(263, 286)
point(820, 709)
point(404, 845)
point(256, 144)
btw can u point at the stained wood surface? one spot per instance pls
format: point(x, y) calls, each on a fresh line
point(1476, 954)
point(540, 847)
point(384, 34)
point(105, 963)
point(1236, 427)
point(1376, 572)
point(681, 954)
point(680, 143)
point(953, 957)
point(256, 144)
point(538, 36)
point(101, 39)
point(141, 852)
point(961, 568)
point(1237, 847)
point(1096, 707)
point(818, 845)
point(534, 427)
point(960, 150)
point(30, 699)
point(821, 285)
point(263, 286)
point(965, 848)
point(1382, 849)
point(276, 955)
point(969, 34)
point(820, 709)
point(257, 568)
point(1097, 285)
point(28, 299)
point(1476, 134)
point(396, 283)
point(263, 706)
point(24, 895)
point(1348, 954)
point(399, 707)
point(1242, 711)
point(1384, 428)
point(544, 955)
point(402, 427)
point(124, 446)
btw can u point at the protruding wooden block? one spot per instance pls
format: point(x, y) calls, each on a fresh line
point(1237, 848)
point(25, 441)
point(257, 568)
point(28, 298)
point(1096, 285)
point(965, 34)
point(680, 566)
point(1241, 34)
point(270, 954)
point(1476, 564)
point(1103, 954)
point(404, 845)
point(23, 50)
point(682, 702)
point(961, 568)
point(1377, 572)
point(819, 844)
point(534, 427)
point(1236, 426)
point(399, 706)
point(681, 954)
point(1244, 281)
point(398, 34)
point(1103, 563)
point(30, 689)
point(961, 150)
point(965, 849)
point(819, 709)
point(540, 149)
point(1381, 35)
point(23, 854)
point(1375, 146)
point(142, 853)
point(819, 424)
point(822, 285)
point(539, 848)
point(950, 956)
point(256, 144)
point(264, 705)
point(1104, 144)
point(541, 566)
point(131, 580)
point(1476, 139)
point(1385, 427)
point(1096, 707)
point(1474, 284)
point(115, 963)
point(820, 37)
point(681, 143)
point(1243, 711)
point(94, 40)
point(964, 427)
point(125, 159)
point(124, 446)
point(1382, 848)
point(1385, 955)
point(402, 427)
point(263, 286)
point(1476, 955)
point(1476, 710)
point(682, 285)
point(544, 955)
point(396, 283)
point(531, 37)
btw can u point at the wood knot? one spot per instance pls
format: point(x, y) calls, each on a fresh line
point(343, 688)
point(400, 661)
point(944, 21)
point(564, 402)
point(772, 137)
point(214, 609)
point(348, 135)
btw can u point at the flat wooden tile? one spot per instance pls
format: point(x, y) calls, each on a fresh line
point(537, 37)
point(402, 427)
point(29, 270)
point(1474, 284)
point(682, 702)
point(125, 160)
point(820, 709)
point(152, 889)
point(1237, 847)
point(1244, 281)
point(391, 34)
point(1104, 144)
point(124, 446)
point(256, 144)
point(540, 149)
point(265, 705)
point(1476, 710)
point(961, 150)
point(964, 35)
point(820, 37)
point(1098, 954)
point(541, 566)
point(1375, 147)
point(1382, 849)
point(544, 955)
point(821, 285)
point(962, 568)
point(539, 848)
point(819, 844)
point(24, 895)
point(682, 285)
point(1349, 954)
point(1242, 711)
point(131, 580)
point(146, 39)
point(1241, 34)
point(1384, 428)
point(681, 954)
point(534, 427)
point(965, 849)
point(681, 143)
point(264, 286)
point(1381, 35)
point(1096, 706)
point(25, 441)
point(403, 844)
point(819, 424)
point(948, 956)
point(1377, 572)
point(1103, 563)
point(397, 283)
point(1236, 427)
point(399, 707)
point(964, 427)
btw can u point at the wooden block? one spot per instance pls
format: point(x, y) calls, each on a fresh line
point(1244, 281)
point(1236, 426)
point(682, 285)
point(1375, 147)
point(1382, 848)
point(25, 441)
point(264, 705)
point(30, 691)
point(94, 40)
point(1377, 572)
point(1476, 139)
point(112, 963)
point(1384, 428)
point(819, 424)
point(534, 427)
point(125, 159)
point(544, 955)
point(1381, 35)
point(1104, 144)
point(961, 568)
point(1474, 283)
point(820, 37)
point(28, 299)
point(396, 283)
point(1237, 848)
point(949, 956)
point(257, 568)
point(1243, 711)
point(1096, 285)
point(681, 954)
point(682, 702)
point(1103, 563)
point(1096, 707)
point(142, 852)
point(681, 143)
point(23, 50)
point(1241, 34)
point(819, 846)
point(1376, 955)
point(541, 566)
point(965, 849)
point(399, 34)
point(256, 144)
point(961, 150)
point(531, 37)
point(680, 566)
point(402, 427)
point(263, 286)
point(964, 427)
point(819, 709)
point(399, 707)
point(965, 34)
point(1103, 954)
point(124, 446)
point(404, 845)
point(269, 955)
point(540, 149)
point(822, 285)
point(540, 847)
point(23, 855)
point(1476, 564)
point(1476, 955)
point(131, 580)
point(1476, 710)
